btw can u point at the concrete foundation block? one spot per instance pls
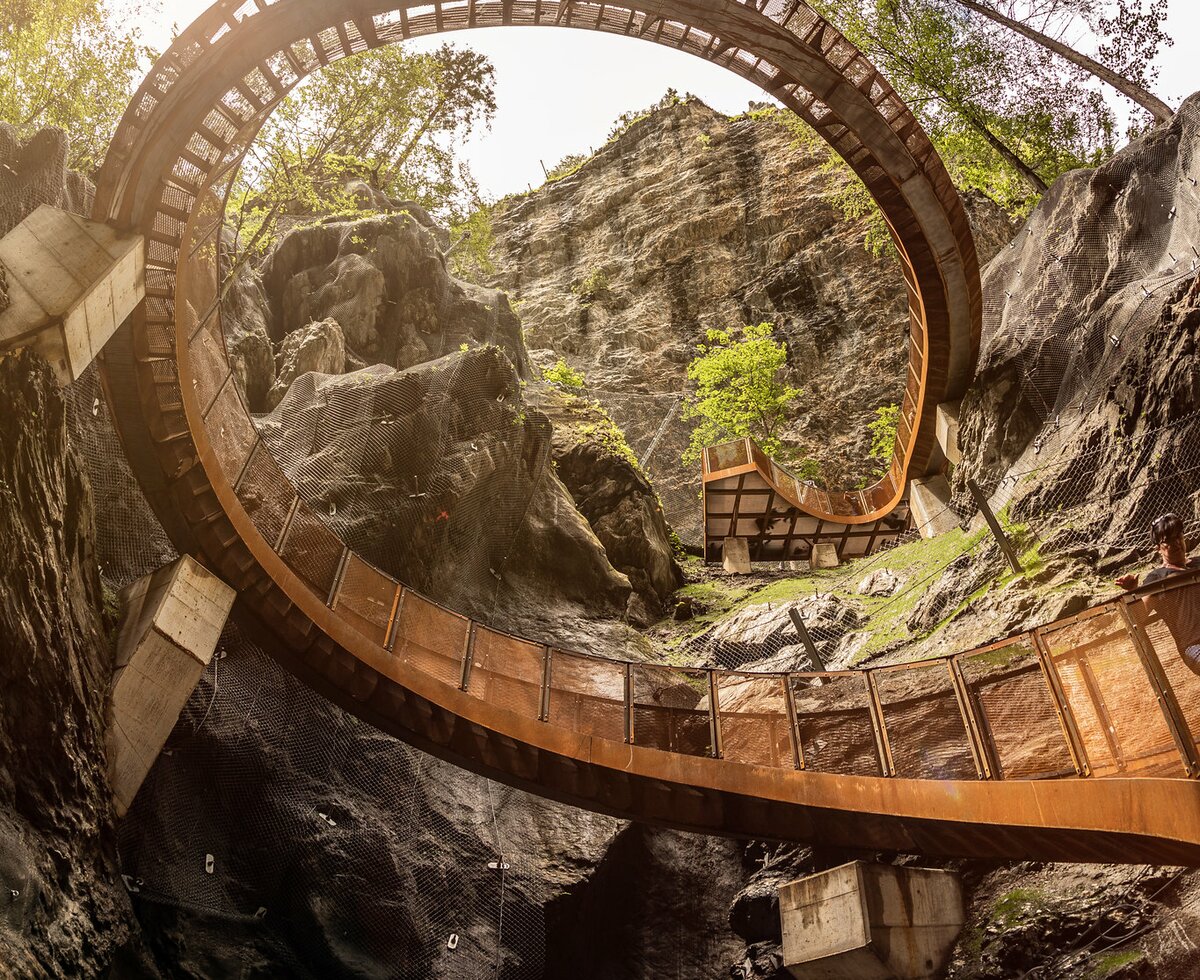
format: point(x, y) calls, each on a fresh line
point(171, 623)
point(736, 554)
point(947, 431)
point(71, 283)
point(930, 503)
point(824, 555)
point(870, 922)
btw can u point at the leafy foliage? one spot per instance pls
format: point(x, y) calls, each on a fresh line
point(883, 435)
point(627, 119)
point(72, 64)
point(471, 242)
point(593, 285)
point(565, 376)
point(567, 166)
point(740, 390)
point(1008, 115)
point(381, 125)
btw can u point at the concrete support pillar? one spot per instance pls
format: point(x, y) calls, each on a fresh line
point(947, 431)
point(824, 555)
point(736, 555)
point(171, 623)
point(930, 501)
point(70, 283)
point(870, 922)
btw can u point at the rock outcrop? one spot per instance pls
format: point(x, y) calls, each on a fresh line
point(1089, 369)
point(441, 476)
point(34, 172)
point(595, 463)
point(384, 281)
point(63, 908)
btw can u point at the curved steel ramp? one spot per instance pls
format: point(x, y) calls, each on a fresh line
point(928, 758)
point(748, 495)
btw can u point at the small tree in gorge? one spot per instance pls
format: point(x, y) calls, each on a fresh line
point(740, 389)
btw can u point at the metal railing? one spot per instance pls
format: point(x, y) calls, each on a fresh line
point(1103, 693)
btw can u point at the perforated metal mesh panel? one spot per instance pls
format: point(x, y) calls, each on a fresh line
point(430, 638)
point(587, 695)
point(925, 728)
point(507, 672)
point(755, 726)
point(833, 715)
point(1016, 712)
point(1107, 689)
point(671, 710)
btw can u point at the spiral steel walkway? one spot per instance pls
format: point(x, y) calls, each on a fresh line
point(932, 758)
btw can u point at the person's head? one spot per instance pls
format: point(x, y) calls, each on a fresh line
point(1167, 533)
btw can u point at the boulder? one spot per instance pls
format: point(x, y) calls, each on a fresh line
point(881, 582)
point(319, 348)
point(384, 280)
point(760, 633)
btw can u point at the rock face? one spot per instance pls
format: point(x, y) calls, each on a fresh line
point(34, 172)
point(384, 281)
point(690, 221)
point(63, 909)
point(593, 460)
point(442, 477)
point(319, 348)
point(1090, 343)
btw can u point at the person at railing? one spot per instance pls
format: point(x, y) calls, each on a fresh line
point(1179, 608)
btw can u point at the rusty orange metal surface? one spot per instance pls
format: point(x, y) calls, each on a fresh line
point(922, 759)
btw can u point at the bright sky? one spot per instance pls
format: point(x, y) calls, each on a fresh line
point(559, 91)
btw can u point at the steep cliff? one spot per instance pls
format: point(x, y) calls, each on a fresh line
point(63, 907)
point(692, 220)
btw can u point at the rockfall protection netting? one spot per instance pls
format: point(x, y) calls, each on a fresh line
point(306, 832)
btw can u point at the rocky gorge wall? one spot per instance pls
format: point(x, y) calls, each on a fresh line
point(691, 220)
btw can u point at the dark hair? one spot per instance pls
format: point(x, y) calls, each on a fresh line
point(1166, 527)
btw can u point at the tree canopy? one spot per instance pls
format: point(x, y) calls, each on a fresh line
point(71, 64)
point(740, 389)
point(989, 80)
point(387, 119)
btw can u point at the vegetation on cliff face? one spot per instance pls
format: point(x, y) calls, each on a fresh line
point(740, 389)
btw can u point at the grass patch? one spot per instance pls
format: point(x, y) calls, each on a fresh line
point(1107, 964)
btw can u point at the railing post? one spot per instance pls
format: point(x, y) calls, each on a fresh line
point(1176, 722)
point(714, 715)
point(887, 764)
point(338, 577)
point(393, 626)
point(1066, 717)
point(547, 657)
point(629, 703)
point(468, 657)
point(793, 722)
point(981, 749)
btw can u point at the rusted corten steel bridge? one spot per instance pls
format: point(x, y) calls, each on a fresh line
point(1028, 749)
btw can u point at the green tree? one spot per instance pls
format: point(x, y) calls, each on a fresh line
point(740, 389)
point(883, 436)
point(1008, 116)
point(471, 242)
point(71, 64)
point(387, 118)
